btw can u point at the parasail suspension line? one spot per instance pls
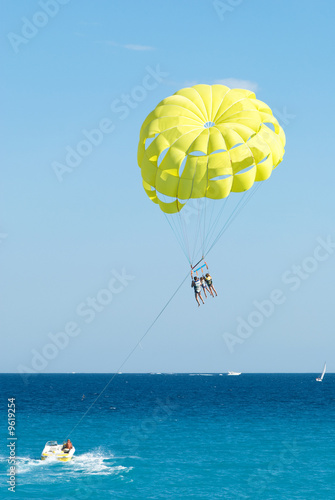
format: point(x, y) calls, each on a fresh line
point(241, 204)
point(130, 354)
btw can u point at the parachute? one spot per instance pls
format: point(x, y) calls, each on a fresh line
point(200, 146)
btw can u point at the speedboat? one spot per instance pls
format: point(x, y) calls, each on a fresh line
point(234, 373)
point(54, 450)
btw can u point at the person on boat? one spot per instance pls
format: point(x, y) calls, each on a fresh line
point(209, 283)
point(197, 289)
point(67, 446)
point(204, 286)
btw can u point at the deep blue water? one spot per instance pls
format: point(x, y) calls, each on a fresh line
point(256, 436)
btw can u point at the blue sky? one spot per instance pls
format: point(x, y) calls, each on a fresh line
point(62, 242)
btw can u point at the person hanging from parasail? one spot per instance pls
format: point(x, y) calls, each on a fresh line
point(197, 289)
point(209, 283)
point(204, 286)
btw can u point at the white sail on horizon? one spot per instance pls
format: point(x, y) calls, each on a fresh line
point(319, 379)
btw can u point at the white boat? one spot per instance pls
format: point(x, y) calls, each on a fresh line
point(319, 379)
point(234, 373)
point(54, 450)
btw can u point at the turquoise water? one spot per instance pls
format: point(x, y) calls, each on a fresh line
point(173, 436)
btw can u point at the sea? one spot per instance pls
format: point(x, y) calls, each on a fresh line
point(169, 436)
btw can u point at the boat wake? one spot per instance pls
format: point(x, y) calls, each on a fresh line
point(95, 463)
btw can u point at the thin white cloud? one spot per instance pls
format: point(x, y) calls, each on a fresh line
point(236, 83)
point(131, 46)
point(128, 46)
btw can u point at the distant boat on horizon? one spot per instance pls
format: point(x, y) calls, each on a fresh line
point(319, 379)
point(233, 373)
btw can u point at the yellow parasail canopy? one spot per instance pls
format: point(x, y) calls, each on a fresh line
point(207, 141)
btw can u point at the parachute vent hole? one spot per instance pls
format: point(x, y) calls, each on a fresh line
point(182, 166)
point(218, 151)
point(196, 153)
point(236, 145)
point(270, 125)
point(162, 156)
point(252, 135)
point(262, 161)
point(149, 141)
point(209, 124)
point(164, 198)
point(246, 169)
point(221, 177)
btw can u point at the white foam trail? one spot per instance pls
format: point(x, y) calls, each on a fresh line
point(94, 463)
point(27, 464)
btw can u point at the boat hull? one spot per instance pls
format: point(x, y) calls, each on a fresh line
point(55, 452)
